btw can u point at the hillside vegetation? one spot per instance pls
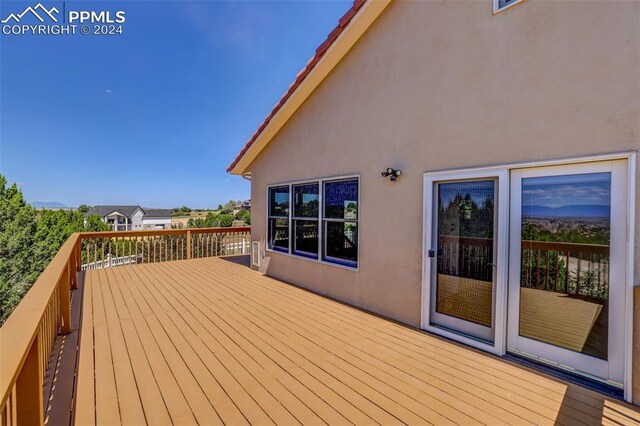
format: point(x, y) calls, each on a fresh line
point(29, 239)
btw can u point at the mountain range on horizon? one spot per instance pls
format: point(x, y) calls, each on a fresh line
point(583, 210)
point(48, 205)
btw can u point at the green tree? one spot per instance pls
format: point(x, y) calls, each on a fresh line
point(29, 239)
point(244, 215)
point(226, 220)
point(17, 229)
point(83, 208)
point(182, 211)
point(53, 227)
point(95, 224)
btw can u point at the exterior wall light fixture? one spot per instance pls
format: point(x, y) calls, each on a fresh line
point(392, 174)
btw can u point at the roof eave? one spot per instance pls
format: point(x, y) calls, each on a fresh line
point(290, 103)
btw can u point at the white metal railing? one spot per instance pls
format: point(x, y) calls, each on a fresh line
point(110, 261)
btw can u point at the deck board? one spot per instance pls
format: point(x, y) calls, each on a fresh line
point(210, 341)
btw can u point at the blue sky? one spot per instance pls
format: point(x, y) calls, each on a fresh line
point(155, 115)
point(569, 190)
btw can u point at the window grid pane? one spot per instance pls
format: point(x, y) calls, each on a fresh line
point(306, 238)
point(341, 200)
point(306, 200)
point(278, 219)
point(341, 242)
point(279, 234)
point(340, 222)
point(279, 201)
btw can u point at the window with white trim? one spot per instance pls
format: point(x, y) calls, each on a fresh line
point(279, 218)
point(340, 222)
point(306, 208)
point(320, 216)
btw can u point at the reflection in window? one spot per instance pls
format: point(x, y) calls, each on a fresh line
point(279, 218)
point(279, 201)
point(341, 200)
point(305, 219)
point(341, 243)
point(564, 273)
point(465, 279)
point(295, 209)
point(306, 238)
point(340, 222)
point(306, 200)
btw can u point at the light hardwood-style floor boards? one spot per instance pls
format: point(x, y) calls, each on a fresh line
point(209, 341)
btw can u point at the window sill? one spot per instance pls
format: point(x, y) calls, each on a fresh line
point(317, 261)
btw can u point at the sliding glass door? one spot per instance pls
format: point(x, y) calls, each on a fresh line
point(463, 283)
point(567, 266)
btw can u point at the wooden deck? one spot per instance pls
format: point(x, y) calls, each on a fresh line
point(209, 341)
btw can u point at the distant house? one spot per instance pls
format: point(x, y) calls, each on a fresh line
point(243, 205)
point(128, 218)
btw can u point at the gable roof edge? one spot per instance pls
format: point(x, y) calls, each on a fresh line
point(352, 26)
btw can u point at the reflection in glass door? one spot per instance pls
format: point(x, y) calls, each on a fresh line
point(566, 287)
point(464, 275)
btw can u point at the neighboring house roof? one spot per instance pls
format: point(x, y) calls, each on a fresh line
point(157, 214)
point(103, 211)
point(351, 27)
point(129, 211)
point(243, 204)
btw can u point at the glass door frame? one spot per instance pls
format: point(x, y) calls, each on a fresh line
point(503, 171)
point(613, 367)
point(501, 177)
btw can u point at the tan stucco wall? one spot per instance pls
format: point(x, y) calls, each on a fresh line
point(436, 85)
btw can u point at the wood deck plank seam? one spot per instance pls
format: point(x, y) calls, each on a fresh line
point(142, 370)
point(123, 370)
point(258, 378)
point(293, 394)
point(176, 402)
point(467, 419)
point(220, 385)
point(583, 419)
point(420, 407)
point(519, 366)
point(203, 412)
point(482, 372)
point(295, 372)
point(209, 318)
point(391, 363)
point(107, 392)
point(256, 381)
point(239, 384)
point(279, 314)
point(403, 327)
point(224, 320)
